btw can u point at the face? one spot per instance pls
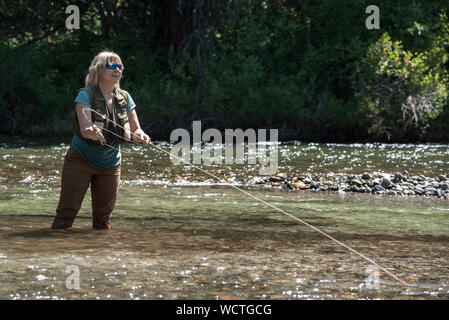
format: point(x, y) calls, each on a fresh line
point(112, 76)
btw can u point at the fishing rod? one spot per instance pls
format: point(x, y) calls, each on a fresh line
point(103, 142)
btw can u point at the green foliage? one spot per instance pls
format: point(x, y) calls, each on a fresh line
point(29, 93)
point(403, 90)
point(309, 68)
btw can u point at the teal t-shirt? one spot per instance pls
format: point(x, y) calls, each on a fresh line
point(102, 157)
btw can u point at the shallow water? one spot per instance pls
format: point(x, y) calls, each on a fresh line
point(174, 239)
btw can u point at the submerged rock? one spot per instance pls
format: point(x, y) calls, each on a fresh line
point(26, 180)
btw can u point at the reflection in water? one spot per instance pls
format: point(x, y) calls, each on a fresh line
point(210, 242)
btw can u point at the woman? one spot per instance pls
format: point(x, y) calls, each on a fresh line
point(104, 115)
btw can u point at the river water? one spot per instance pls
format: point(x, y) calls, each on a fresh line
point(176, 234)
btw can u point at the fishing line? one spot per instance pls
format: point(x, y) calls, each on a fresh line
point(248, 194)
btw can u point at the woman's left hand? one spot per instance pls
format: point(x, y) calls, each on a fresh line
point(140, 136)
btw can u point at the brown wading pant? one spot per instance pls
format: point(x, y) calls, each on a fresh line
point(77, 174)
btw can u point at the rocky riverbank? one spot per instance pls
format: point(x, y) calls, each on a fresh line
point(397, 184)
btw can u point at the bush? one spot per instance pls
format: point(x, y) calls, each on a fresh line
point(403, 91)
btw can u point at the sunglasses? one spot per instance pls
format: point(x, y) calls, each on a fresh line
point(113, 66)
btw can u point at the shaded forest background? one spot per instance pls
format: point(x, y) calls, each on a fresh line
point(308, 68)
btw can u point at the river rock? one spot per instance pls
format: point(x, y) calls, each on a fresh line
point(355, 182)
point(386, 183)
point(287, 186)
point(379, 183)
point(398, 177)
point(281, 175)
point(418, 190)
point(300, 185)
point(434, 185)
point(257, 180)
point(27, 180)
point(384, 176)
point(378, 188)
point(407, 185)
point(315, 184)
point(366, 176)
point(276, 179)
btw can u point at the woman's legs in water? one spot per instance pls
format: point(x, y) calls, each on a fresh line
point(104, 188)
point(75, 179)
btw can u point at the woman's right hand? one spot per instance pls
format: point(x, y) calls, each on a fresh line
point(92, 132)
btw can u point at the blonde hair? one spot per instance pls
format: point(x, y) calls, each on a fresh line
point(98, 64)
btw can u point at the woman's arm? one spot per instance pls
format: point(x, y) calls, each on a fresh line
point(138, 134)
point(87, 129)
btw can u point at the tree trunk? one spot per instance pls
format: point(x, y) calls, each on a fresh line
point(104, 19)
